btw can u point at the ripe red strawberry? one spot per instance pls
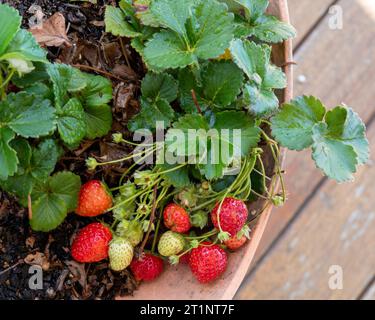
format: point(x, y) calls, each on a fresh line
point(234, 243)
point(233, 215)
point(185, 258)
point(91, 243)
point(208, 262)
point(147, 267)
point(93, 199)
point(176, 218)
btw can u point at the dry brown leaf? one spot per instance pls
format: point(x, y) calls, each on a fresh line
point(51, 33)
point(38, 259)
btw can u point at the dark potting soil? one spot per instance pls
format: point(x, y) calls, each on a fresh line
point(20, 247)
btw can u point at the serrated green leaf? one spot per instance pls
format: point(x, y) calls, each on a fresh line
point(10, 23)
point(144, 13)
point(260, 101)
point(77, 81)
point(35, 166)
point(270, 29)
point(222, 83)
point(253, 8)
point(178, 178)
point(49, 211)
point(250, 57)
point(24, 153)
point(44, 159)
point(71, 122)
point(292, 126)
point(249, 133)
point(232, 135)
point(188, 82)
point(116, 23)
point(172, 14)
point(263, 77)
point(167, 50)
point(60, 75)
point(98, 91)
point(27, 115)
point(213, 29)
point(202, 32)
point(53, 200)
point(8, 156)
point(159, 86)
point(24, 47)
point(98, 121)
point(20, 184)
point(336, 159)
point(38, 75)
point(151, 112)
point(345, 125)
point(40, 90)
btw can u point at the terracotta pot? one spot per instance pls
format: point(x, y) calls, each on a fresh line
point(178, 282)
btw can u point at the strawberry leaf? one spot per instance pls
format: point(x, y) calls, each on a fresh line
point(179, 178)
point(158, 90)
point(197, 29)
point(340, 144)
point(34, 165)
point(270, 29)
point(8, 156)
point(336, 159)
point(237, 134)
point(10, 23)
point(159, 86)
point(222, 83)
point(98, 120)
point(158, 110)
point(337, 137)
point(293, 125)
point(97, 92)
point(253, 8)
point(27, 115)
point(116, 23)
point(256, 23)
point(53, 199)
point(255, 61)
point(24, 47)
point(71, 122)
point(219, 85)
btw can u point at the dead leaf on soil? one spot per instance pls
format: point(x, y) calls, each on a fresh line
point(52, 32)
point(38, 259)
point(78, 271)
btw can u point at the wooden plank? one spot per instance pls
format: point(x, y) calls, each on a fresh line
point(336, 229)
point(337, 66)
point(305, 13)
point(370, 292)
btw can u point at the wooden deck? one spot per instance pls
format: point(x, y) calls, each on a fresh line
point(324, 224)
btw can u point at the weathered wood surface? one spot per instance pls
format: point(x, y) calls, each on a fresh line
point(305, 22)
point(337, 67)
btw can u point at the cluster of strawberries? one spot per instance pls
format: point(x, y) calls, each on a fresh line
point(207, 260)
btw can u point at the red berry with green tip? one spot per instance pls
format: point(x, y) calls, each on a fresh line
point(233, 215)
point(208, 262)
point(176, 218)
point(91, 243)
point(93, 199)
point(147, 267)
point(234, 243)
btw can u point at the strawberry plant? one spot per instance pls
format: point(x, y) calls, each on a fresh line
point(210, 119)
point(54, 106)
point(209, 68)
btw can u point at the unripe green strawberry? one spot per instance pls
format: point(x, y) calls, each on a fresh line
point(171, 244)
point(120, 254)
